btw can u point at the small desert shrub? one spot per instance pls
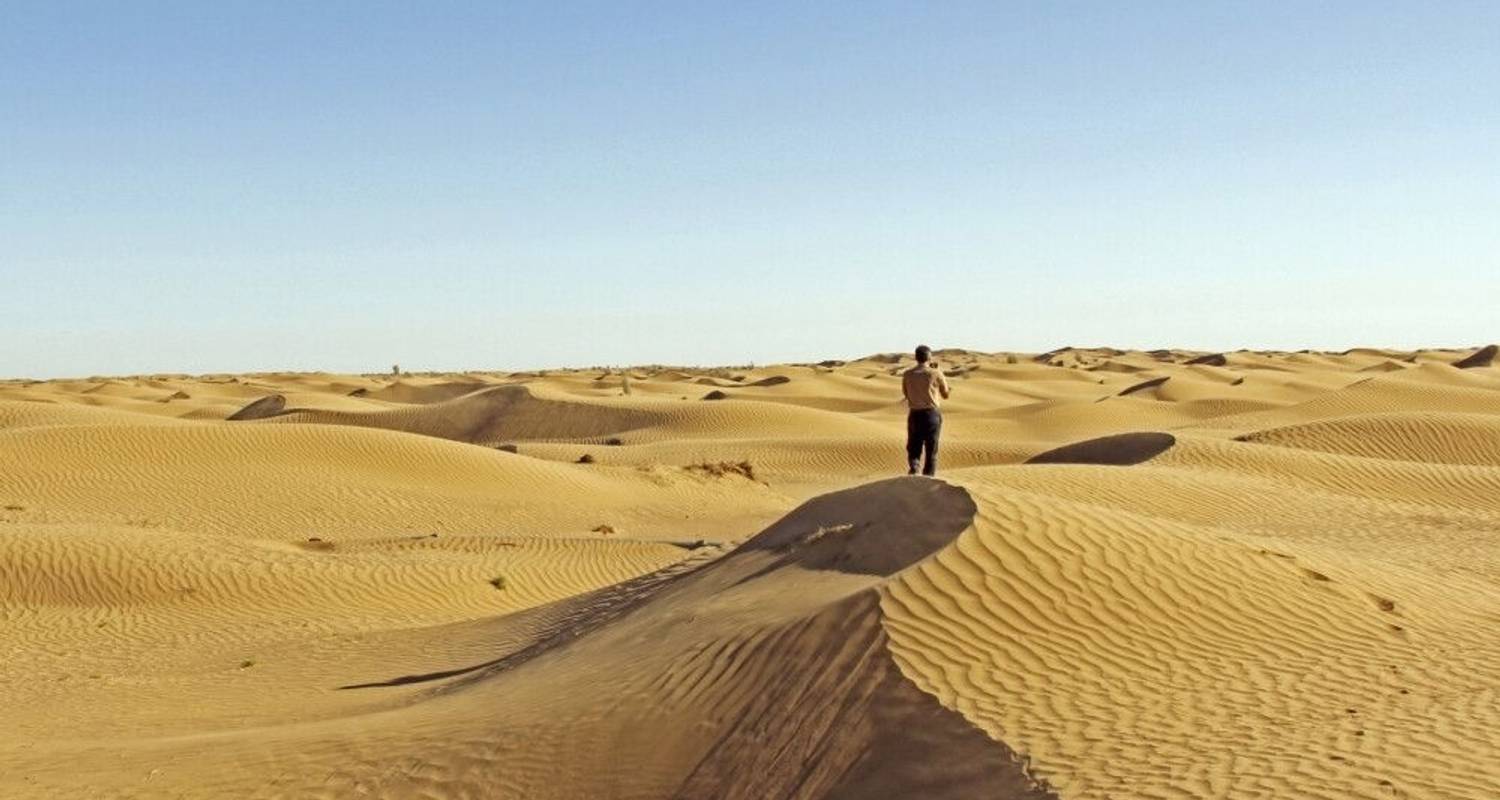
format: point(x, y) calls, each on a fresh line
point(604, 529)
point(247, 663)
point(586, 458)
point(614, 441)
point(719, 469)
point(509, 448)
point(498, 582)
point(715, 395)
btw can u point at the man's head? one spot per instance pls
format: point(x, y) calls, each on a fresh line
point(924, 354)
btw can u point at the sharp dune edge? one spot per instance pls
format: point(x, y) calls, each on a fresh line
point(1155, 574)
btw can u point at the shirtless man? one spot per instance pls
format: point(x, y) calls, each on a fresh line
point(924, 387)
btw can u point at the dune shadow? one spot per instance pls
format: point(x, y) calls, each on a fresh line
point(1121, 449)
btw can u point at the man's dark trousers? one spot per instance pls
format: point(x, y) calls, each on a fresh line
point(922, 428)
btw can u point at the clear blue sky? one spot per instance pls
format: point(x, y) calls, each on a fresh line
point(233, 186)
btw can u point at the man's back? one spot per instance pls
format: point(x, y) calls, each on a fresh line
point(924, 387)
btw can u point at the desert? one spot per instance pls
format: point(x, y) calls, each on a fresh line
point(662, 400)
point(1137, 574)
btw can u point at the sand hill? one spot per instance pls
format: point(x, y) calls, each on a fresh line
point(1142, 575)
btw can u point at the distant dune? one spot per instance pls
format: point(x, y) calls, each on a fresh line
point(1483, 357)
point(268, 406)
point(1140, 575)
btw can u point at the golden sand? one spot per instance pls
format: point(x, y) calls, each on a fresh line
point(1142, 575)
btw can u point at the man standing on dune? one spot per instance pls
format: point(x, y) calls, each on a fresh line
point(923, 386)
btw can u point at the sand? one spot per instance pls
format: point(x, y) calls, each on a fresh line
point(1161, 574)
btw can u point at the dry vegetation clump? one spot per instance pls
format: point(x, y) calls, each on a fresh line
point(509, 448)
point(586, 458)
point(498, 582)
point(614, 441)
point(716, 395)
point(605, 529)
point(718, 469)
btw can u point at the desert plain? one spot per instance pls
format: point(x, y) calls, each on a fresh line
point(1163, 574)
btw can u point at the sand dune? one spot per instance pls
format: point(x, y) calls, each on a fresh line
point(1483, 357)
point(1130, 654)
point(268, 406)
point(1145, 574)
point(1437, 437)
point(493, 415)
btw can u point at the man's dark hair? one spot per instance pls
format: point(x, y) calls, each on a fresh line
point(923, 353)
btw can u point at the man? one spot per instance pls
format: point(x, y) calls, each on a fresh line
point(924, 387)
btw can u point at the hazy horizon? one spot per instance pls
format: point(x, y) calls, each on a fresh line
point(841, 358)
point(262, 187)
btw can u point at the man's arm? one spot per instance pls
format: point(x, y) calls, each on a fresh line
point(942, 384)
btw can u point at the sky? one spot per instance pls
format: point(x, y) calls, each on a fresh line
point(252, 186)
